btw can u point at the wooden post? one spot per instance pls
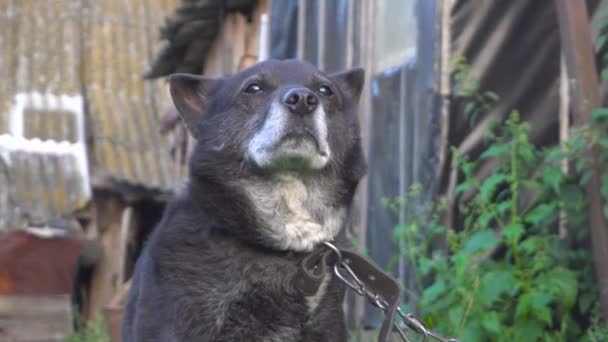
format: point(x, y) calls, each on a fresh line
point(108, 276)
point(577, 50)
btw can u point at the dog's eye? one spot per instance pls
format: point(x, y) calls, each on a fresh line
point(253, 88)
point(325, 90)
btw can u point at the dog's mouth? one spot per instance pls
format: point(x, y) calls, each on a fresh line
point(297, 150)
point(283, 142)
point(298, 139)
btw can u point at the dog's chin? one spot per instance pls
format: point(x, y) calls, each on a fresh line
point(294, 155)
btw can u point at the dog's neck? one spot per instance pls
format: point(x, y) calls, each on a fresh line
point(292, 213)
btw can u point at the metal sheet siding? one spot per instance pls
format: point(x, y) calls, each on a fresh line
point(124, 111)
point(74, 109)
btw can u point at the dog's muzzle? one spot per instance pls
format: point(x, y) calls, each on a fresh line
point(295, 129)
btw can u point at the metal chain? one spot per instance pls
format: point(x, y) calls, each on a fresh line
point(343, 271)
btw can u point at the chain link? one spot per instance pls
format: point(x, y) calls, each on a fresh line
point(345, 273)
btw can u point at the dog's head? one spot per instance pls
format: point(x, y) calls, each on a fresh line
point(276, 116)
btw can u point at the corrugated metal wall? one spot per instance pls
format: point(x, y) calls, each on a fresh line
point(122, 39)
point(394, 40)
point(74, 110)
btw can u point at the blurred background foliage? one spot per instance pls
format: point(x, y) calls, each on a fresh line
point(520, 268)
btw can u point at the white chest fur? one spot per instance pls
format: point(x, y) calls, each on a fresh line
point(295, 216)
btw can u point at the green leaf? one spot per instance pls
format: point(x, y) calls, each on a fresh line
point(553, 177)
point(492, 95)
point(540, 262)
point(463, 187)
point(540, 306)
point(531, 303)
point(513, 232)
point(436, 230)
point(425, 266)
point(495, 150)
point(460, 263)
point(468, 109)
point(572, 197)
point(532, 184)
point(581, 164)
point(434, 291)
point(586, 177)
point(599, 114)
point(480, 241)
point(489, 185)
point(532, 244)
point(605, 75)
point(527, 330)
point(491, 322)
point(485, 218)
point(544, 315)
point(524, 304)
point(399, 232)
point(455, 314)
point(503, 207)
point(540, 300)
point(605, 185)
point(496, 283)
point(585, 301)
point(473, 118)
point(472, 332)
point(602, 24)
point(600, 42)
point(603, 141)
point(526, 152)
point(539, 213)
point(561, 283)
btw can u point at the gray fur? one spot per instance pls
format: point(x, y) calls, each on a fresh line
point(266, 185)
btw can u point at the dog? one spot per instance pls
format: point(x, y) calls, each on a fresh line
point(277, 159)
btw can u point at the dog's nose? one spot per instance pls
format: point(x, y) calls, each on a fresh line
point(300, 101)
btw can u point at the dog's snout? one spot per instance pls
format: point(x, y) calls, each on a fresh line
point(300, 101)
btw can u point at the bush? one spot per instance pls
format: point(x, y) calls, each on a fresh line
point(94, 330)
point(508, 274)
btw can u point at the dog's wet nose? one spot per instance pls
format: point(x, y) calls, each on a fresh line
point(300, 101)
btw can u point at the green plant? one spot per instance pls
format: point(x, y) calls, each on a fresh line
point(508, 273)
point(94, 330)
point(465, 84)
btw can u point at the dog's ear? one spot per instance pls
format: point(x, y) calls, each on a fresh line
point(350, 82)
point(190, 94)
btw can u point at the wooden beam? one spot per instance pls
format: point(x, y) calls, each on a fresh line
point(577, 49)
point(114, 312)
point(108, 275)
point(35, 318)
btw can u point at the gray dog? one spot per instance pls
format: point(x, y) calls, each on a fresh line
point(272, 176)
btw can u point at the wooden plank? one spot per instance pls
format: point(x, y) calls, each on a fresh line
point(114, 312)
point(35, 318)
point(577, 49)
point(109, 273)
point(564, 127)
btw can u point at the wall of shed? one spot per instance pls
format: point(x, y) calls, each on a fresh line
point(394, 41)
point(75, 112)
point(124, 110)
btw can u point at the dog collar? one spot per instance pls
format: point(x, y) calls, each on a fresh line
point(357, 272)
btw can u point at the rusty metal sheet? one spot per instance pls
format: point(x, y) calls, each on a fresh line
point(31, 265)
